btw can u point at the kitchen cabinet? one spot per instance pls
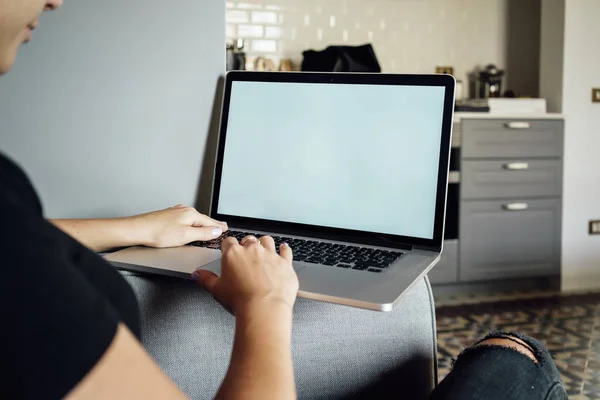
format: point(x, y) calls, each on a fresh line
point(492, 138)
point(507, 178)
point(510, 200)
point(514, 238)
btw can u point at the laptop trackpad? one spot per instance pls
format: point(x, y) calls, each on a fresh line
point(183, 259)
point(215, 267)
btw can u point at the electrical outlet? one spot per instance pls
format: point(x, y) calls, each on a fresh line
point(595, 227)
point(595, 95)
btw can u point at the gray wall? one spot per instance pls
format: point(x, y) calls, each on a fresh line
point(108, 109)
point(552, 53)
point(523, 46)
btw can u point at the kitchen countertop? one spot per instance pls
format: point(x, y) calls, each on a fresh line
point(486, 115)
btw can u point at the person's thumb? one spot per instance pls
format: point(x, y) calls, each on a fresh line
point(203, 233)
point(206, 279)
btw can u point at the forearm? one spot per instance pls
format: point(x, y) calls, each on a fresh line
point(261, 362)
point(102, 234)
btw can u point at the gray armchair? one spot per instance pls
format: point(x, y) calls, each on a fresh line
point(338, 351)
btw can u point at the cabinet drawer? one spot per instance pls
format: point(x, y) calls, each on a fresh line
point(504, 239)
point(512, 138)
point(511, 178)
point(446, 270)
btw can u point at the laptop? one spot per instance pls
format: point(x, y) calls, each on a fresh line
point(351, 170)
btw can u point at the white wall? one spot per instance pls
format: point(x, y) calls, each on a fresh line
point(581, 252)
point(108, 108)
point(409, 36)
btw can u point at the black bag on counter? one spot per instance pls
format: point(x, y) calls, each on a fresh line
point(341, 59)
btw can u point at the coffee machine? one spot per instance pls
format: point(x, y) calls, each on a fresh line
point(235, 55)
point(488, 82)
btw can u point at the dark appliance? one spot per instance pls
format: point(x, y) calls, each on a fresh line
point(235, 56)
point(453, 199)
point(341, 59)
point(490, 82)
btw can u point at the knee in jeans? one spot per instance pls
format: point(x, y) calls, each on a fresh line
point(511, 342)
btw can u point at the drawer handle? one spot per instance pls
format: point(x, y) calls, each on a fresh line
point(516, 206)
point(516, 166)
point(518, 125)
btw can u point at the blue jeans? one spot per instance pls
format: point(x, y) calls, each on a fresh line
point(492, 372)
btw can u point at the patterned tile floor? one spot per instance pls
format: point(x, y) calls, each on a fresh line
point(569, 326)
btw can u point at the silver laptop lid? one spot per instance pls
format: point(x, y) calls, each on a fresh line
point(353, 157)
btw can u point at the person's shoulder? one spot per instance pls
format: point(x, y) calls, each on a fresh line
point(16, 191)
point(8, 167)
point(23, 225)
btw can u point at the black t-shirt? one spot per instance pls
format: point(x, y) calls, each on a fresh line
point(60, 302)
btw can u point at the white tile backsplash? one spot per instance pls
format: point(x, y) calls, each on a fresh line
point(250, 31)
point(237, 16)
point(264, 46)
point(273, 32)
point(265, 17)
point(409, 36)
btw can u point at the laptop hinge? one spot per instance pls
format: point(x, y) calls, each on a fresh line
point(436, 249)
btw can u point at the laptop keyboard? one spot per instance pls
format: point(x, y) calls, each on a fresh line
point(316, 252)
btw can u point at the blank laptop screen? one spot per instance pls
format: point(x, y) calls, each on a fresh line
point(360, 157)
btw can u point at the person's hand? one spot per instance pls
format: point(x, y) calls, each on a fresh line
point(176, 226)
point(253, 276)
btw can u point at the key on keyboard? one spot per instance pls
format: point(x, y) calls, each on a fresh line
point(315, 252)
